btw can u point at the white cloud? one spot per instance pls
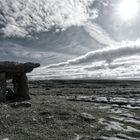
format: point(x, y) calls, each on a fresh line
point(22, 17)
point(108, 54)
point(97, 70)
point(125, 64)
point(99, 34)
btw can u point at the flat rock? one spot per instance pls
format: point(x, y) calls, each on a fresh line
point(20, 104)
point(7, 66)
point(87, 117)
point(107, 100)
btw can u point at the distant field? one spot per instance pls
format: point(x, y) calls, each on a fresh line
point(87, 87)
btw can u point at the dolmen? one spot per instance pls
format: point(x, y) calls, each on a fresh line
point(17, 72)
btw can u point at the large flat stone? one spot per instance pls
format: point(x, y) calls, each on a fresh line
point(13, 67)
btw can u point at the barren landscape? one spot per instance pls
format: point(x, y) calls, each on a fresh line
point(74, 110)
point(69, 69)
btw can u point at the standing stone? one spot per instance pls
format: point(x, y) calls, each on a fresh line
point(23, 86)
point(2, 87)
point(21, 89)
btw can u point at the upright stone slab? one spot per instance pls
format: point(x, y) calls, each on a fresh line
point(2, 87)
point(23, 90)
point(20, 83)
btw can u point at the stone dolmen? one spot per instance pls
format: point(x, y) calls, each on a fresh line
point(17, 72)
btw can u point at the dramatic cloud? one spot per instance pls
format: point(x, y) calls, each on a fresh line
point(121, 61)
point(22, 17)
point(99, 34)
point(108, 54)
point(117, 70)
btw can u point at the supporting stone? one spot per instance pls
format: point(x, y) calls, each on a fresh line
point(2, 87)
point(21, 89)
point(23, 86)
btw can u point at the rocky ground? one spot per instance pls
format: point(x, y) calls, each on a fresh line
point(74, 110)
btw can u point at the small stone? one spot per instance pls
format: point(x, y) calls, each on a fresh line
point(7, 116)
point(87, 117)
point(22, 104)
point(47, 88)
point(44, 113)
point(34, 119)
point(6, 139)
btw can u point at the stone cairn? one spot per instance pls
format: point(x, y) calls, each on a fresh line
point(17, 72)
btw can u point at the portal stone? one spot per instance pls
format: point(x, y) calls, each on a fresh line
point(20, 83)
point(2, 87)
point(17, 72)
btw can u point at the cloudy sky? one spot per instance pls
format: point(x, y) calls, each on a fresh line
point(73, 38)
